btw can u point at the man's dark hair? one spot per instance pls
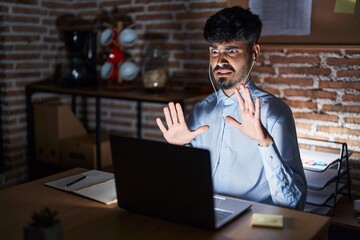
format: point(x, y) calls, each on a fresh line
point(233, 24)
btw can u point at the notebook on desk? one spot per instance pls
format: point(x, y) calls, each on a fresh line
point(169, 182)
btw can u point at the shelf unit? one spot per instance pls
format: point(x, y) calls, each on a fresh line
point(100, 92)
point(327, 174)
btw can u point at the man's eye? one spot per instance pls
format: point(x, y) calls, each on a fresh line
point(232, 51)
point(214, 52)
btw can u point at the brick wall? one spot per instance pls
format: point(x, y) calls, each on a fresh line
point(320, 83)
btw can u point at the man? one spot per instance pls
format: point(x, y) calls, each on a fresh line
point(250, 133)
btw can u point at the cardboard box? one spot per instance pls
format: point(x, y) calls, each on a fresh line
point(81, 152)
point(53, 122)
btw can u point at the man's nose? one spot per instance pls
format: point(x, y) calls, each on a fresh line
point(221, 61)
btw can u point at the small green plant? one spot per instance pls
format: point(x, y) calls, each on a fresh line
point(44, 218)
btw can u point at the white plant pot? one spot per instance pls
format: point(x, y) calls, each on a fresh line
point(51, 233)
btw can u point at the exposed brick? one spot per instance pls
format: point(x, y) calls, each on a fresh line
point(30, 11)
point(351, 98)
point(310, 93)
point(4, 29)
point(191, 55)
point(208, 5)
point(158, 137)
point(151, 1)
point(18, 142)
point(31, 29)
point(194, 26)
point(304, 70)
point(339, 130)
point(147, 17)
point(297, 59)
point(57, 5)
point(30, 2)
point(21, 19)
point(7, 66)
point(22, 38)
point(31, 65)
point(167, 7)
point(166, 26)
point(84, 5)
point(4, 9)
point(352, 120)
point(311, 136)
point(15, 130)
point(273, 48)
point(30, 47)
point(350, 142)
point(300, 125)
point(196, 65)
point(114, 3)
point(189, 75)
point(340, 84)
point(348, 73)
point(301, 104)
point(271, 90)
point(21, 56)
point(193, 15)
point(341, 108)
point(329, 150)
point(23, 75)
point(311, 49)
point(343, 61)
point(188, 36)
point(290, 81)
point(316, 116)
point(350, 51)
point(264, 70)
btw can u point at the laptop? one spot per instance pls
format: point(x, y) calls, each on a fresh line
point(169, 182)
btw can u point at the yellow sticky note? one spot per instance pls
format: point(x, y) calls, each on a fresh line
point(345, 6)
point(267, 220)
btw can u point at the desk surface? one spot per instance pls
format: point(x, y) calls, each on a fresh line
point(84, 218)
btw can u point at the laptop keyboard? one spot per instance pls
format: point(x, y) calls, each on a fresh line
point(221, 215)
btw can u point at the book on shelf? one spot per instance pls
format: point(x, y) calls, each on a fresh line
point(317, 161)
point(94, 184)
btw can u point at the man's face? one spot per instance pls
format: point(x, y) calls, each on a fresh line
point(230, 63)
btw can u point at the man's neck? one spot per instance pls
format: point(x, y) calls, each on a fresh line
point(231, 91)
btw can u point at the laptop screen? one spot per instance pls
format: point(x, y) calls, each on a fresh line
point(163, 180)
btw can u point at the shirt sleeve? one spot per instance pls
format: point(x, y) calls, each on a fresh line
point(282, 164)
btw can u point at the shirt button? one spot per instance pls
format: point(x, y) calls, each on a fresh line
point(270, 157)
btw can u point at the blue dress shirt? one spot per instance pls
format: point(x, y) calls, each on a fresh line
point(243, 169)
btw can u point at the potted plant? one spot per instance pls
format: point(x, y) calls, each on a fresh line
point(44, 225)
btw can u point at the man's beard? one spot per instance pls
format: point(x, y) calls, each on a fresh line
point(225, 84)
point(222, 83)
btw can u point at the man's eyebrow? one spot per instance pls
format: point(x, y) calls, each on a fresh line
point(226, 47)
point(232, 47)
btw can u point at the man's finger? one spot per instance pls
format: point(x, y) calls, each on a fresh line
point(161, 125)
point(180, 113)
point(240, 99)
point(233, 122)
point(173, 112)
point(167, 116)
point(248, 100)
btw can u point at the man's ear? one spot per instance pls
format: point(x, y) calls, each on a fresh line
point(256, 51)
